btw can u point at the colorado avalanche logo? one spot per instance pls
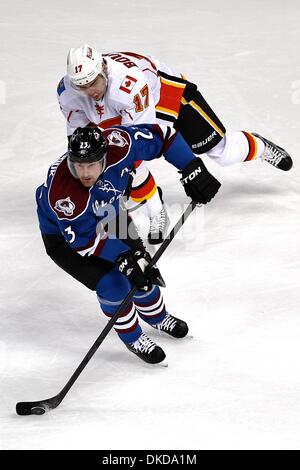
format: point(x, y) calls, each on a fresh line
point(115, 138)
point(65, 205)
point(108, 187)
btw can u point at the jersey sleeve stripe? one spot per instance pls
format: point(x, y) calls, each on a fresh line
point(94, 246)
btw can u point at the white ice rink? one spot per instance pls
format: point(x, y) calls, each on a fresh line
point(236, 384)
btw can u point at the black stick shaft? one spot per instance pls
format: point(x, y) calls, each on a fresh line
point(173, 233)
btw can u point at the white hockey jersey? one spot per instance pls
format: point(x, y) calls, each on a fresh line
point(136, 93)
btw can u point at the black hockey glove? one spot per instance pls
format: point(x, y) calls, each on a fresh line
point(133, 264)
point(198, 183)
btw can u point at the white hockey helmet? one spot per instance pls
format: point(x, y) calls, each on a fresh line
point(84, 64)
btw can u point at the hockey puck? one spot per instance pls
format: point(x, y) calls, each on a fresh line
point(38, 410)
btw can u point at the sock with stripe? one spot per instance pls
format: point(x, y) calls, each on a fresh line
point(150, 306)
point(111, 290)
point(237, 147)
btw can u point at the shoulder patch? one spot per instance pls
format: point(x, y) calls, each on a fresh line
point(119, 144)
point(67, 197)
point(65, 205)
point(118, 138)
point(128, 84)
point(61, 87)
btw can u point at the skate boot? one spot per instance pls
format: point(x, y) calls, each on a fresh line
point(172, 326)
point(146, 349)
point(159, 224)
point(275, 155)
point(158, 227)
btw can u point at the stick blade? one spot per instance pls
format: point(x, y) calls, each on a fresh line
point(29, 408)
point(25, 408)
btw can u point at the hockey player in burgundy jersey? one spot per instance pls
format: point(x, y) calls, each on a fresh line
point(128, 88)
point(78, 204)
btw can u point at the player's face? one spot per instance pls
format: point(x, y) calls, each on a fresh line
point(95, 89)
point(88, 173)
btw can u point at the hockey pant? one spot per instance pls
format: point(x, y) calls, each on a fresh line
point(113, 287)
point(183, 105)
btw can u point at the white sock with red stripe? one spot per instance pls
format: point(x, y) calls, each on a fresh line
point(236, 147)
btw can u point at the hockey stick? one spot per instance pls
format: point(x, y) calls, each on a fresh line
point(40, 407)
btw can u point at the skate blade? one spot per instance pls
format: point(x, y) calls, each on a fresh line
point(158, 365)
point(163, 364)
point(187, 337)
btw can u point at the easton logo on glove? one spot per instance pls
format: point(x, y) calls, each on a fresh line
point(123, 265)
point(198, 183)
point(191, 176)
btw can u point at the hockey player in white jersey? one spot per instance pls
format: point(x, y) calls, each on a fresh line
point(128, 88)
point(105, 93)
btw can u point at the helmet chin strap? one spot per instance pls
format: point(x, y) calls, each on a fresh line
point(104, 70)
point(103, 161)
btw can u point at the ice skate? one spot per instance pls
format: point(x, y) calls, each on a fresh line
point(146, 350)
point(159, 224)
point(275, 155)
point(172, 326)
point(158, 227)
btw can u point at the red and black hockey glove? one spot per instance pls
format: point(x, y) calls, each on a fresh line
point(133, 264)
point(198, 183)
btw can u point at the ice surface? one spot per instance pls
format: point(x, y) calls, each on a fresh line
point(236, 384)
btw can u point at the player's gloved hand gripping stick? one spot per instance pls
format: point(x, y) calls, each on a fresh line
point(40, 407)
point(135, 264)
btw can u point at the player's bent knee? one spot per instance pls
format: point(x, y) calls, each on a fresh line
point(113, 286)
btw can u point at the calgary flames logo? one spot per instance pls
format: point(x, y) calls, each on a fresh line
point(99, 109)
